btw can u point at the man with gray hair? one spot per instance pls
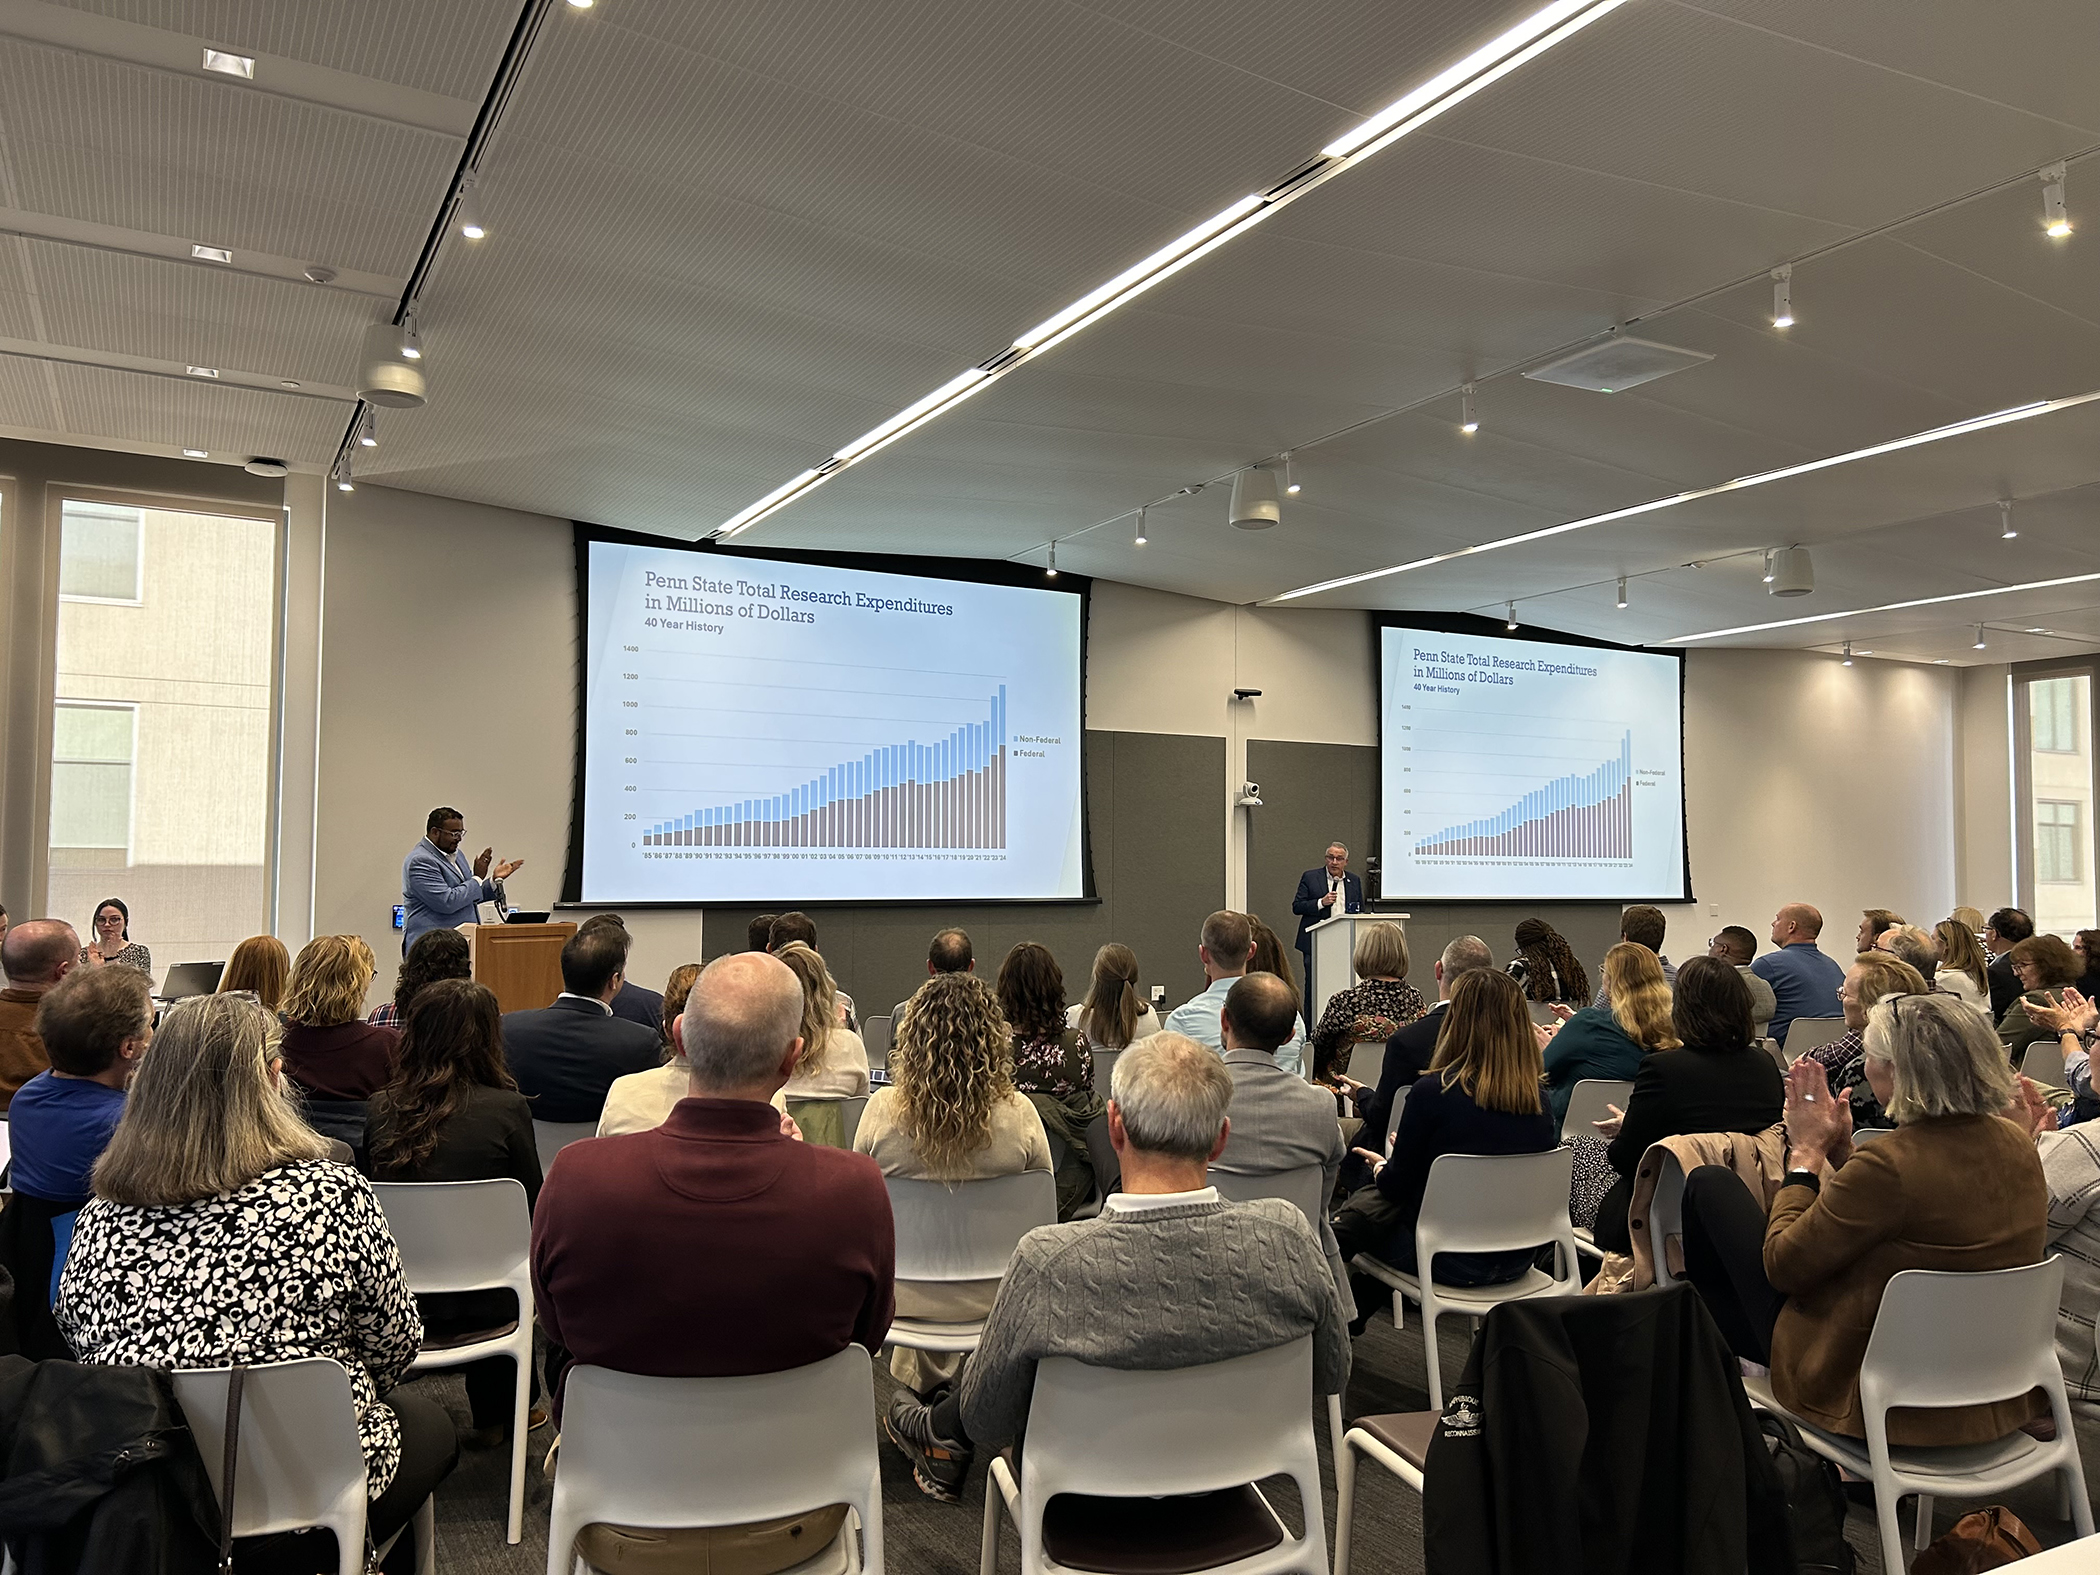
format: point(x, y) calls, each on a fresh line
point(1409, 1052)
point(717, 1244)
point(1170, 1275)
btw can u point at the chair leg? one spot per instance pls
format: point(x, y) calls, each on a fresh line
point(520, 1415)
point(1924, 1531)
point(426, 1537)
point(1344, 1503)
point(1334, 1428)
point(988, 1555)
point(1436, 1367)
point(1892, 1559)
point(1399, 1311)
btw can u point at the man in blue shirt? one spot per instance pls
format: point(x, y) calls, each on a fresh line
point(1804, 982)
point(436, 887)
point(1226, 949)
point(95, 1023)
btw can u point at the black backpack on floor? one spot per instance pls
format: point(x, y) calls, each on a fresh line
point(1815, 1499)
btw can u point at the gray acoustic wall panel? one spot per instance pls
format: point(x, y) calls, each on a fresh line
point(1158, 807)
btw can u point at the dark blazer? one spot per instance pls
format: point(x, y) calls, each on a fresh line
point(488, 1137)
point(565, 1056)
point(2004, 983)
point(1312, 886)
point(1407, 1056)
point(1677, 1093)
point(638, 1005)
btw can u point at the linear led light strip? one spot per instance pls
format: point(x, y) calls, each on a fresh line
point(1860, 612)
point(1997, 418)
point(1524, 42)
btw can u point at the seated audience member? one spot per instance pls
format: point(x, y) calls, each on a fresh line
point(951, 1113)
point(1872, 922)
point(1226, 950)
point(834, 1064)
point(454, 1113)
point(437, 954)
point(1279, 1120)
point(1955, 1186)
point(220, 1232)
point(95, 1025)
point(1373, 1011)
point(2005, 930)
point(1409, 1052)
point(792, 927)
point(565, 1056)
point(1738, 947)
point(1717, 1082)
point(3, 923)
point(948, 952)
point(1971, 918)
point(636, 1003)
point(642, 1100)
point(112, 942)
point(329, 1050)
point(1112, 1016)
point(1272, 956)
point(1168, 1276)
point(1913, 946)
point(261, 966)
point(716, 1244)
point(34, 955)
point(759, 933)
point(1054, 1069)
point(1609, 1042)
point(2044, 967)
point(1804, 981)
point(1640, 925)
point(2071, 1170)
point(1962, 971)
point(1873, 977)
point(1480, 1096)
point(1546, 965)
point(2086, 943)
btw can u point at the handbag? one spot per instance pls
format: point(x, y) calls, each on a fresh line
point(1983, 1539)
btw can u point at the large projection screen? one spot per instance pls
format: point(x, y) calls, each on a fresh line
point(1527, 769)
point(762, 730)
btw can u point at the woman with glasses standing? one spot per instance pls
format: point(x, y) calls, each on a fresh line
point(113, 942)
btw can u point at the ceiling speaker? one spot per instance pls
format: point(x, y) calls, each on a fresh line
point(1613, 365)
point(384, 375)
point(263, 466)
point(1255, 505)
point(1792, 572)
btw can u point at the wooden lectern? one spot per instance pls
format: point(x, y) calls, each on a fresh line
point(521, 963)
point(1334, 957)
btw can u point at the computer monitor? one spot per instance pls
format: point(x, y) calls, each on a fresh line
point(191, 978)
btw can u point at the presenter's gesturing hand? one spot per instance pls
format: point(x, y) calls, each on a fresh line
point(481, 863)
point(508, 868)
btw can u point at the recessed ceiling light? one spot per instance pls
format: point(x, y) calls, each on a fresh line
point(196, 453)
point(1939, 661)
point(286, 382)
point(226, 63)
point(1997, 418)
point(581, 5)
point(211, 254)
point(202, 371)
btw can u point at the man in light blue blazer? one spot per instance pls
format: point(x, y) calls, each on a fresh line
point(438, 890)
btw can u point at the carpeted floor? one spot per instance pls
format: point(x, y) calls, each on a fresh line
point(926, 1538)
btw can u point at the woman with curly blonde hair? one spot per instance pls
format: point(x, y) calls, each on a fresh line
point(950, 1114)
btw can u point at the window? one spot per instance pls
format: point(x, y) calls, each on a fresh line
point(2056, 842)
point(92, 747)
point(2054, 704)
point(98, 555)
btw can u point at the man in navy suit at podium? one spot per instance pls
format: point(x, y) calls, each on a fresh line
point(1322, 893)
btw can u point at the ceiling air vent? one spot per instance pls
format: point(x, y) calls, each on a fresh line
point(1617, 364)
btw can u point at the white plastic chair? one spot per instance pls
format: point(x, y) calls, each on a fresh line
point(1484, 1203)
point(670, 1453)
point(1924, 1351)
point(1109, 1433)
point(1366, 1060)
point(471, 1236)
point(551, 1137)
point(1665, 1210)
point(963, 1231)
point(1105, 1071)
point(300, 1463)
point(876, 1033)
point(1804, 1034)
point(1400, 1443)
point(1772, 1049)
point(1587, 1102)
point(2044, 1062)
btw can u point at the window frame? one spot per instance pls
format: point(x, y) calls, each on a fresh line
point(131, 765)
point(2087, 846)
point(137, 598)
point(2074, 824)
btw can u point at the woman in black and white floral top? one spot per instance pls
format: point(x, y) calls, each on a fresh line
point(218, 1233)
point(1054, 1068)
point(1370, 1012)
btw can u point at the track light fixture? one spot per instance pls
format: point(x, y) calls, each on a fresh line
point(467, 215)
point(368, 429)
point(343, 481)
point(1050, 572)
point(1768, 566)
point(1468, 413)
point(2006, 529)
point(1980, 642)
point(1622, 591)
point(411, 340)
point(1139, 539)
point(1511, 621)
point(1783, 296)
point(1290, 482)
point(2056, 219)
point(1848, 654)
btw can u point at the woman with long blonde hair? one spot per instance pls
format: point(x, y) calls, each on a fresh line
point(1608, 1042)
point(834, 1063)
point(950, 1114)
point(1113, 1016)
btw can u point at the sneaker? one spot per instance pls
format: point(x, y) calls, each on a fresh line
point(938, 1465)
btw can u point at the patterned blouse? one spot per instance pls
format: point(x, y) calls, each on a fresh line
point(1058, 1067)
point(1377, 1009)
point(297, 1263)
point(133, 955)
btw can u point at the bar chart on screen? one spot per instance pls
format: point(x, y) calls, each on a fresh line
point(1587, 815)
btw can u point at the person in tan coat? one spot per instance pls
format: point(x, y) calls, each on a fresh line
point(34, 956)
point(1956, 1186)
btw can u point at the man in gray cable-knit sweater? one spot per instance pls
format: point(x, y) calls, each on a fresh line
point(1170, 1275)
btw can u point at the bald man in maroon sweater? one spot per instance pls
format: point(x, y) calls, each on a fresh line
point(718, 1243)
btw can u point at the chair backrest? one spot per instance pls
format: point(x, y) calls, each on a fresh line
point(666, 1452)
point(459, 1235)
point(1366, 1060)
point(1392, 1119)
point(967, 1230)
point(851, 1110)
point(1127, 1434)
point(875, 1033)
point(1587, 1102)
point(1772, 1048)
point(1804, 1034)
point(1105, 1071)
point(1495, 1203)
point(551, 1137)
point(1541, 1013)
point(2044, 1062)
point(300, 1461)
point(1869, 1134)
point(1925, 1349)
point(1306, 1186)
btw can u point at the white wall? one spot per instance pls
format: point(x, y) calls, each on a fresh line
point(449, 676)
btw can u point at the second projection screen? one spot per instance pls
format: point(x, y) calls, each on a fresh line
point(1523, 769)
